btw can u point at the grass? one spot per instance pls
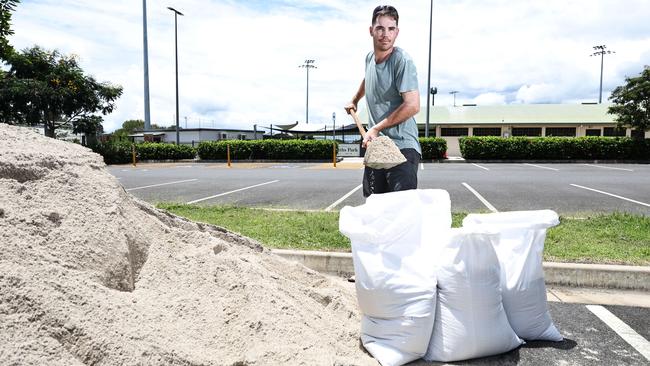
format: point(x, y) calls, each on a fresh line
point(616, 238)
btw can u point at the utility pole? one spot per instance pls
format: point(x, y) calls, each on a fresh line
point(309, 64)
point(601, 51)
point(454, 92)
point(426, 125)
point(147, 114)
point(176, 14)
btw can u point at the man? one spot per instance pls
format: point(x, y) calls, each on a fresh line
point(391, 90)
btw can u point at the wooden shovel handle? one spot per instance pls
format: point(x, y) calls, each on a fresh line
point(355, 116)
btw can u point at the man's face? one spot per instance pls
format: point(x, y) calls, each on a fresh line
point(384, 32)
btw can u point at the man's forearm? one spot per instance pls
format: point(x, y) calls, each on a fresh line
point(406, 110)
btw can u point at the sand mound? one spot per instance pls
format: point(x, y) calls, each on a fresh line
point(91, 275)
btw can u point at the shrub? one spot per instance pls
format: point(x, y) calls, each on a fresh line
point(114, 152)
point(433, 147)
point(164, 151)
point(266, 149)
point(556, 148)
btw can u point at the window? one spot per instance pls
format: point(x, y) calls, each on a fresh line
point(593, 132)
point(487, 131)
point(526, 131)
point(224, 136)
point(638, 134)
point(242, 136)
point(561, 131)
point(613, 131)
point(454, 131)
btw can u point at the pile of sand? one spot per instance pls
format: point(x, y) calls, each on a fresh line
point(382, 153)
point(91, 275)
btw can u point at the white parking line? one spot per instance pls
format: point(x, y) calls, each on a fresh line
point(482, 167)
point(478, 195)
point(162, 184)
point(541, 167)
point(613, 195)
point(330, 207)
point(608, 167)
point(236, 190)
point(421, 166)
point(623, 330)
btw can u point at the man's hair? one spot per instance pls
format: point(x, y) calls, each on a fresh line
point(385, 10)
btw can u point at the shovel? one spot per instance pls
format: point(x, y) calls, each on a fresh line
point(381, 152)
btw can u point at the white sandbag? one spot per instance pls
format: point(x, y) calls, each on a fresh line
point(395, 283)
point(520, 252)
point(470, 320)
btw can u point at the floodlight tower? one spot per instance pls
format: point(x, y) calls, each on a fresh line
point(309, 64)
point(601, 51)
point(454, 92)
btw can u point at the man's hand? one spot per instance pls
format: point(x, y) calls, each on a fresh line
point(372, 134)
point(350, 106)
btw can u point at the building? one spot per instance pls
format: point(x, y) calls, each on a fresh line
point(569, 120)
point(192, 136)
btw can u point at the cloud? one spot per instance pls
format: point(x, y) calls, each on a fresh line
point(238, 61)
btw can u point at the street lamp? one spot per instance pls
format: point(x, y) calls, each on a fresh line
point(176, 14)
point(334, 125)
point(601, 51)
point(147, 114)
point(426, 125)
point(454, 92)
point(309, 64)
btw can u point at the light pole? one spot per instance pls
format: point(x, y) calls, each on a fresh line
point(454, 92)
point(147, 114)
point(601, 51)
point(309, 64)
point(334, 125)
point(426, 126)
point(176, 14)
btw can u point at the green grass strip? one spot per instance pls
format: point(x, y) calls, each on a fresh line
point(616, 238)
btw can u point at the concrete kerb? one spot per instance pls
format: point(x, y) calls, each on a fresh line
point(559, 274)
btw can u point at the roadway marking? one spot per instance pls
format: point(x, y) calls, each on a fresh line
point(541, 167)
point(608, 167)
point(330, 207)
point(613, 195)
point(162, 184)
point(623, 330)
point(421, 166)
point(482, 167)
point(236, 190)
point(478, 195)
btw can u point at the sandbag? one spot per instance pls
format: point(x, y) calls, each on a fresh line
point(395, 283)
point(520, 252)
point(470, 321)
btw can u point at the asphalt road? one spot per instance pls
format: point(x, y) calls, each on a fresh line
point(569, 189)
point(565, 188)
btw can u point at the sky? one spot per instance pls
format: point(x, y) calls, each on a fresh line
point(238, 61)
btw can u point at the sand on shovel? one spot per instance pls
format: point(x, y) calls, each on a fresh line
point(91, 275)
point(381, 152)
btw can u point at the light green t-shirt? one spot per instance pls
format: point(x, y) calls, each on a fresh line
point(384, 84)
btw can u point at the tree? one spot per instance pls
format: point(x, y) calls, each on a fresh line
point(49, 88)
point(90, 126)
point(6, 7)
point(130, 126)
point(632, 101)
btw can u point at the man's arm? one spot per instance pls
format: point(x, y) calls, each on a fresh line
point(357, 97)
point(409, 108)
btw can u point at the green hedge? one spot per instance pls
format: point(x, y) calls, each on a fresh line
point(120, 152)
point(163, 151)
point(266, 149)
point(433, 148)
point(555, 148)
point(114, 152)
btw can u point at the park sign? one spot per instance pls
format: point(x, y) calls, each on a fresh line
point(349, 150)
